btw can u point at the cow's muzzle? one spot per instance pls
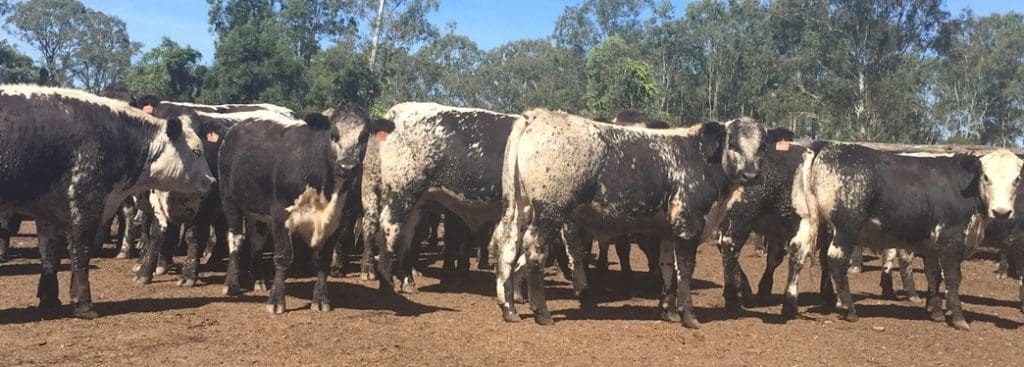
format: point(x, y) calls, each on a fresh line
point(1001, 213)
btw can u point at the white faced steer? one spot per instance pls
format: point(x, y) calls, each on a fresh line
point(874, 198)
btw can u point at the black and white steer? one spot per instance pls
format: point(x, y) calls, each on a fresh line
point(874, 198)
point(69, 158)
point(564, 175)
point(291, 176)
point(437, 155)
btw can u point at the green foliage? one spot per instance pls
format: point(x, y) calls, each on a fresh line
point(255, 63)
point(616, 79)
point(15, 67)
point(78, 46)
point(168, 71)
point(339, 75)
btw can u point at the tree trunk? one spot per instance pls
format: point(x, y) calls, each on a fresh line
point(376, 32)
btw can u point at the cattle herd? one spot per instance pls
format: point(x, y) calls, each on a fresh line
point(234, 181)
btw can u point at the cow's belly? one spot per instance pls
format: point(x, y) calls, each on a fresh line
point(475, 211)
point(876, 236)
point(604, 224)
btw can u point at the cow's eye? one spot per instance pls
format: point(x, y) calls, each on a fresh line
point(335, 137)
point(197, 152)
point(984, 178)
point(1016, 181)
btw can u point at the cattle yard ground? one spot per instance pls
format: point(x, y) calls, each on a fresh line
point(162, 324)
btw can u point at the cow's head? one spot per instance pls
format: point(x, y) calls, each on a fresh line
point(1000, 176)
point(350, 128)
point(738, 146)
point(177, 159)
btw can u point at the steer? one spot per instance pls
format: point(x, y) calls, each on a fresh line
point(437, 154)
point(69, 158)
point(871, 197)
point(565, 175)
point(291, 176)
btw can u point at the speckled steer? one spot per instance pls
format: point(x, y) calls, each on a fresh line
point(68, 159)
point(937, 205)
point(565, 176)
point(443, 155)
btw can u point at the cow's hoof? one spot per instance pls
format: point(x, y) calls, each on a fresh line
point(123, 255)
point(337, 272)
point(850, 316)
point(938, 316)
point(142, 280)
point(49, 308)
point(543, 317)
point(85, 312)
point(232, 290)
point(136, 268)
point(961, 324)
point(586, 299)
point(853, 270)
point(322, 306)
point(160, 270)
point(508, 313)
point(670, 316)
point(409, 288)
point(690, 322)
point(1000, 275)
point(915, 299)
point(788, 311)
point(275, 308)
point(260, 285)
point(888, 294)
point(183, 282)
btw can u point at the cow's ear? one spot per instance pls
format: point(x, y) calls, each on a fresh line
point(972, 167)
point(317, 121)
point(174, 128)
point(779, 134)
point(712, 140)
point(381, 125)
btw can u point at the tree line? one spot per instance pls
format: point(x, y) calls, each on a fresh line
point(879, 70)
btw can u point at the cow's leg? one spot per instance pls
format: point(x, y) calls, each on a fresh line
point(730, 247)
point(198, 236)
point(776, 252)
point(949, 261)
point(347, 239)
point(151, 249)
point(483, 260)
point(906, 259)
point(407, 261)
point(166, 258)
point(49, 301)
point(667, 263)
point(258, 239)
point(235, 238)
point(371, 240)
point(132, 231)
point(321, 300)
point(650, 247)
point(889, 258)
point(686, 261)
point(5, 237)
point(622, 250)
point(1016, 252)
point(453, 238)
point(81, 236)
point(826, 291)
point(856, 260)
point(283, 254)
point(933, 272)
point(799, 247)
point(506, 239)
point(217, 250)
point(839, 260)
point(538, 241)
point(601, 263)
point(398, 222)
point(577, 249)
point(1004, 265)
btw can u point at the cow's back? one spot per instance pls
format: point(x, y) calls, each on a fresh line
point(447, 149)
point(42, 137)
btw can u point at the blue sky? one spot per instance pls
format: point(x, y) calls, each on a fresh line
point(488, 22)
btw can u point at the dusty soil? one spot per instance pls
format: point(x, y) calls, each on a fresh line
point(162, 324)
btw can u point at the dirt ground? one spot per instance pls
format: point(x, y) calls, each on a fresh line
point(162, 324)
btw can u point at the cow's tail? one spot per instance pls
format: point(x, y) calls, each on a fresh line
point(805, 204)
point(511, 190)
